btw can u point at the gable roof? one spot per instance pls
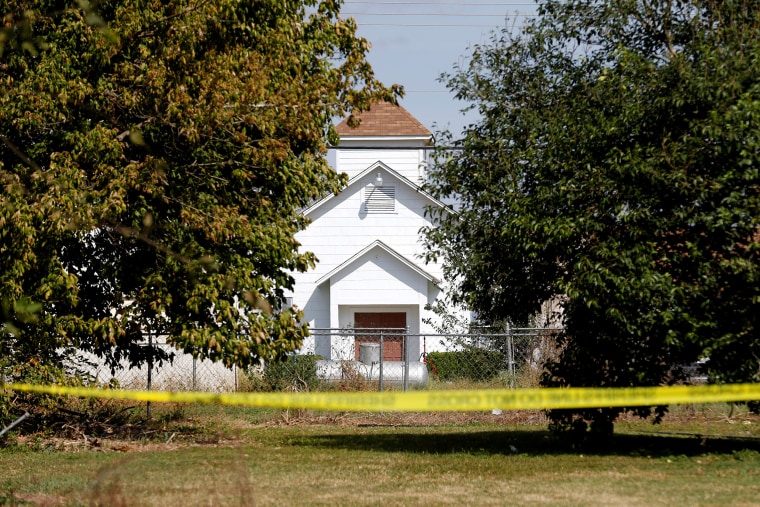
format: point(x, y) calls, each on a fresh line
point(384, 119)
point(382, 246)
point(373, 168)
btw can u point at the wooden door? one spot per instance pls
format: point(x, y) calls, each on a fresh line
point(393, 342)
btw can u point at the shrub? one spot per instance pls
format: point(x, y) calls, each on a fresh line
point(470, 364)
point(295, 373)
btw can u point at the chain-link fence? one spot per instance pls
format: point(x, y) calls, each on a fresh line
point(182, 372)
point(358, 359)
point(355, 359)
point(514, 358)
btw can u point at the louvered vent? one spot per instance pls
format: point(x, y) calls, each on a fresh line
point(381, 199)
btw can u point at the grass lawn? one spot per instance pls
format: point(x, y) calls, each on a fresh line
point(234, 456)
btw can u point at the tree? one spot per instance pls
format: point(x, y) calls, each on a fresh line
point(614, 167)
point(154, 157)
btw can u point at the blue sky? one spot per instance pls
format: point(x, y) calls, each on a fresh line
point(414, 42)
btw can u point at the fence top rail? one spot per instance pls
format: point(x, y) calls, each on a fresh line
point(523, 331)
point(360, 330)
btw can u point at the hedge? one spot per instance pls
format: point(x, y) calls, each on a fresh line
point(470, 364)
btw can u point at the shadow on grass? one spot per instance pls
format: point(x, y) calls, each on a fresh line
point(533, 442)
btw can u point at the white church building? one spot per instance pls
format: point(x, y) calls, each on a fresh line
point(370, 271)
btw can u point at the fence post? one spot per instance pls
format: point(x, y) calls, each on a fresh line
point(194, 371)
point(14, 424)
point(405, 347)
point(150, 370)
point(380, 386)
point(510, 357)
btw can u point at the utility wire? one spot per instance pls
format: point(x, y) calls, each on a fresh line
point(429, 25)
point(457, 4)
point(437, 15)
point(409, 17)
point(438, 25)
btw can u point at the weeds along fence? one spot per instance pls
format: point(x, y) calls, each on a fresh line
point(356, 359)
point(380, 359)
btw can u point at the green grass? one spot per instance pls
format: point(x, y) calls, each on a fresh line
point(236, 456)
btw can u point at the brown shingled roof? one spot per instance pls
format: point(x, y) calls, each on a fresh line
point(384, 119)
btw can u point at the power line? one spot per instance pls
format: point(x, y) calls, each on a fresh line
point(408, 19)
point(457, 4)
point(437, 15)
point(429, 25)
point(440, 25)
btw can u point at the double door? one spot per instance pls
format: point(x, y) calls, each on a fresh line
point(373, 322)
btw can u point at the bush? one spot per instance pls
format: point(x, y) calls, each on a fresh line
point(296, 373)
point(470, 364)
point(49, 413)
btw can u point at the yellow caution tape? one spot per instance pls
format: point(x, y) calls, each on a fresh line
point(433, 401)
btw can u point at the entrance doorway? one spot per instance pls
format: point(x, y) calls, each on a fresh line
point(393, 342)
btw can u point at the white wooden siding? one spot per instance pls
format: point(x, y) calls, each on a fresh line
point(406, 162)
point(389, 281)
point(342, 227)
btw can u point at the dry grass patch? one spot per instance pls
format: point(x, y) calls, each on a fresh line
point(238, 456)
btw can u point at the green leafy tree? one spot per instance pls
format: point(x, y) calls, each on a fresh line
point(615, 168)
point(153, 160)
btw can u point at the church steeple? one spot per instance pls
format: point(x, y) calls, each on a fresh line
point(384, 119)
point(386, 132)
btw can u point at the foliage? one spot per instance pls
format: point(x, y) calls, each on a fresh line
point(445, 317)
point(470, 364)
point(614, 166)
point(298, 372)
point(353, 379)
point(153, 160)
point(47, 412)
